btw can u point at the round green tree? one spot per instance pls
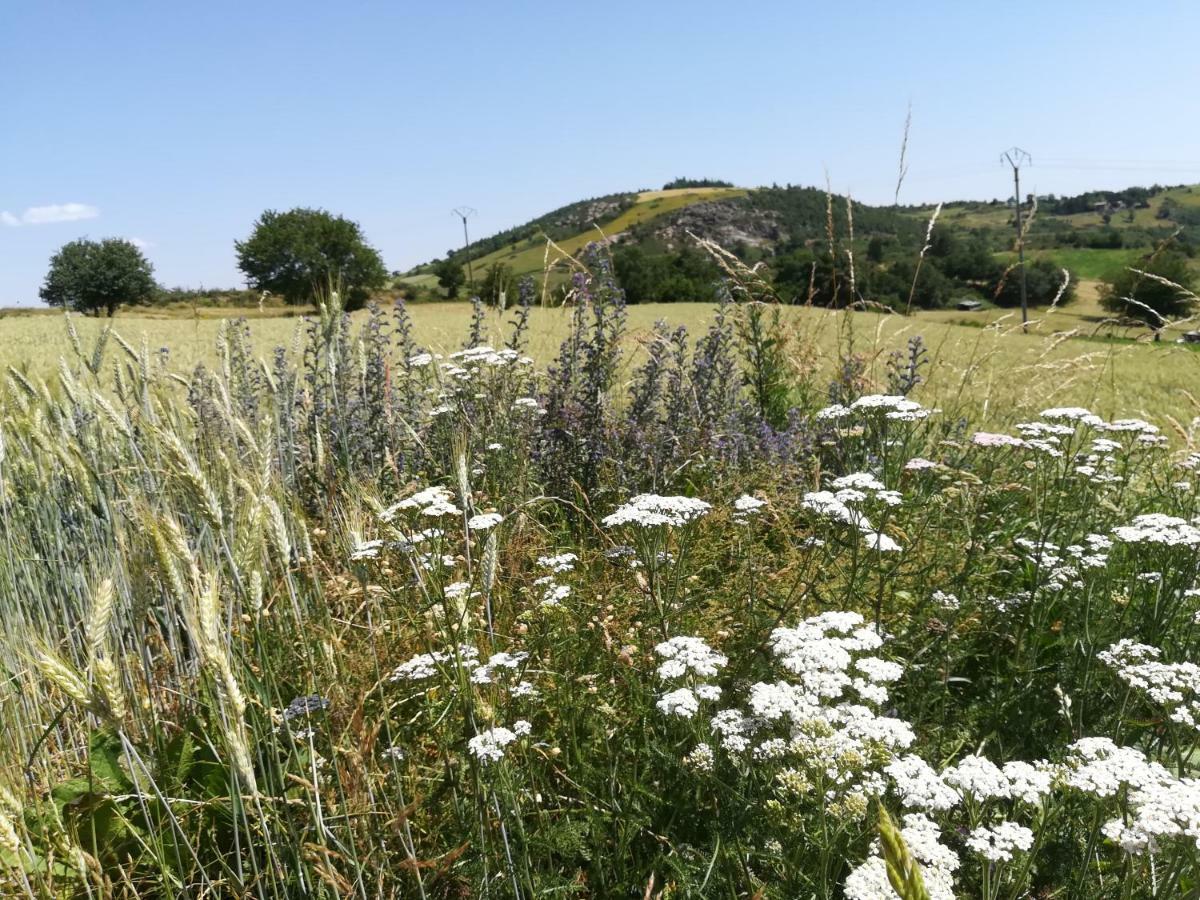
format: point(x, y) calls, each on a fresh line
point(302, 252)
point(1158, 291)
point(450, 276)
point(90, 276)
point(1043, 281)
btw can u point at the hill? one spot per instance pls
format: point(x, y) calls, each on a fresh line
point(817, 245)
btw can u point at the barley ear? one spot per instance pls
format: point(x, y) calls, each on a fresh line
point(902, 869)
point(63, 676)
point(10, 841)
point(101, 616)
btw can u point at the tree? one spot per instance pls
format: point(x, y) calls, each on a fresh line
point(89, 276)
point(1147, 298)
point(498, 279)
point(450, 276)
point(298, 253)
point(1043, 281)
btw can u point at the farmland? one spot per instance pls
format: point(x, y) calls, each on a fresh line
point(750, 601)
point(978, 361)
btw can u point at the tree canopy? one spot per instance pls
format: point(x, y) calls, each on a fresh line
point(1155, 289)
point(90, 276)
point(298, 253)
point(450, 276)
point(1043, 281)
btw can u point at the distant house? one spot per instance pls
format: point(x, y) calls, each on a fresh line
point(966, 304)
point(1190, 337)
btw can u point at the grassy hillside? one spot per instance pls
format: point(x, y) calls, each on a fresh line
point(529, 255)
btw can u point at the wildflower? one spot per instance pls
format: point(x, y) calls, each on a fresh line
point(488, 746)
point(563, 562)
point(485, 673)
point(365, 550)
point(303, 706)
point(522, 689)
point(1098, 766)
point(1135, 425)
point(425, 665)
point(1028, 782)
point(745, 506)
point(978, 777)
point(945, 600)
point(919, 786)
point(685, 655)
point(748, 504)
point(997, 843)
point(832, 413)
point(869, 881)
point(1166, 809)
point(456, 590)
point(1174, 686)
point(988, 439)
point(393, 753)
point(433, 501)
point(1074, 414)
point(917, 464)
point(555, 594)
point(484, 521)
point(1159, 528)
point(648, 510)
point(877, 540)
point(700, 759)
point(681, 702)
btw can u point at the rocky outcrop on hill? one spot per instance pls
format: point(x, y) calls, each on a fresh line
point(726, 222)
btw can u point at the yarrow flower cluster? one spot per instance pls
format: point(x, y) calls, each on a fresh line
point(997, 843)
point(684, 655)
point(818, 720)
point(746, 506)
point(869, 881)
point(484, 521)
point(892, 406)
point(426, 665)
point(649, 510)
point(488, 746)
point(1159, 528)
point(1173, 686)
point(434, 501)
point(844, 502)
point(690, 658)
point(563, 562)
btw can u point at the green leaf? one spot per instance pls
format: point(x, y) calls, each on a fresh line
point(105, 753)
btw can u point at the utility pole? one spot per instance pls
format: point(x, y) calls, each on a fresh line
point(464, 213)
point(1015, 156)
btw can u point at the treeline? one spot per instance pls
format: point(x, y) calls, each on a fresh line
point(696, 183)
point(1132, 198)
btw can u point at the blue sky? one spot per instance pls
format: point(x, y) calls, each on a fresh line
point(176, 124)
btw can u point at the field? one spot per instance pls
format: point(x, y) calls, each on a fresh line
point(687, 600)
point(981, 362)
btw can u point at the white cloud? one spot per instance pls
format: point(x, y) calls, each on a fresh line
point(140, 243)
point(49, 215)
